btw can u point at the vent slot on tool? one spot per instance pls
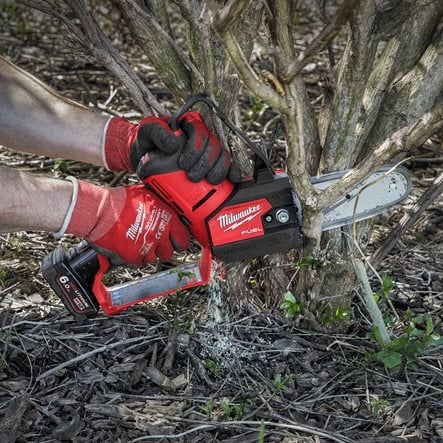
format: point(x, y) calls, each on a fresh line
point(159, 189)
point(204, 199)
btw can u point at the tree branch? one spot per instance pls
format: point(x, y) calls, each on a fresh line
point(91, 37)
point(354, 67)
point(158, 8)
point(303, 151)
point(251, 79)
point(321, 41)
point(169, 60)
point(104, 52)
point(280, 26)
point(398, 55)
point(226, 16)
point(412, 94)
point(390, 17)
point(401, 141)
point(367, 295)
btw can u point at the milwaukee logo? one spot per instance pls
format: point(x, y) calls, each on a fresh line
point(233, 220)
point(134, 230)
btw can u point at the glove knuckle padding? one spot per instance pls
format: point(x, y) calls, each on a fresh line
point(197, 139)
point(154, 134)
point(220, 169)
point(157, 136)
point(205, 163)
point(191, 156)
point(203, 155)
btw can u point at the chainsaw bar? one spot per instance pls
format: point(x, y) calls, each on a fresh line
point(377, 194)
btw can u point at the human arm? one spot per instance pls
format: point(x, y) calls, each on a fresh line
point(35, 118)
point(32, 202)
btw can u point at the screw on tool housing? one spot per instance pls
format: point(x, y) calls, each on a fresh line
point(282, 215)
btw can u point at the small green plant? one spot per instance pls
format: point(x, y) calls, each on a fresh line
point(5, 277)
point(176, 298)
point(291, 306)
point(387, 285)
point(258, 109)
point(382, 298)
point(420, 237)
point(378, 406)
point(60, 167)
point(212, 366)
point(280, 384)
point(261, 432)
point(181, 275)
point(342, 313)
point(233, 411)
point(339, 314)
point(189, 325)
point(310, 262)
point(208, 408)
point(403, 351)
point(176, 302)
point(15, 246)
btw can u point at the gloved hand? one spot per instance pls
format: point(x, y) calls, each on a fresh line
point(202, 155)
point(126, 223)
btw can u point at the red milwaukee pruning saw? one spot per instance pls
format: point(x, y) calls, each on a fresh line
point(261, 215)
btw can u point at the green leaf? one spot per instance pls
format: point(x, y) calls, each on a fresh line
point(417, 333)
point(418, 320)
point(391, 359)
point(387, 283)
point(429, 324)
point(289, 297)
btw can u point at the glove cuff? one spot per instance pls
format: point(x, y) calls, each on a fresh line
point(68, 215)
point(94, 210)
point(119, 134)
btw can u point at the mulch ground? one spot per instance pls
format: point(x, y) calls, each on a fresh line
point(167, 371)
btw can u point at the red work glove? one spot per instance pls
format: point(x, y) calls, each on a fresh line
point(202, 155)
point(126, 223)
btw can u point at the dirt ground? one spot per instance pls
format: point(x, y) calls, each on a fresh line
point(166, 371)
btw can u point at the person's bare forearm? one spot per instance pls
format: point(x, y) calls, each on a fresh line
point(31, 202)
point(34, 118)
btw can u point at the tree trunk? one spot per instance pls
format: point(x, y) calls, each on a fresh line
point(362, 115)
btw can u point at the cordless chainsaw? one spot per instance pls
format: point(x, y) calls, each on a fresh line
point(261, 215)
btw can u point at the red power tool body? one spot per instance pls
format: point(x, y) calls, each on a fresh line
point(231, 222)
